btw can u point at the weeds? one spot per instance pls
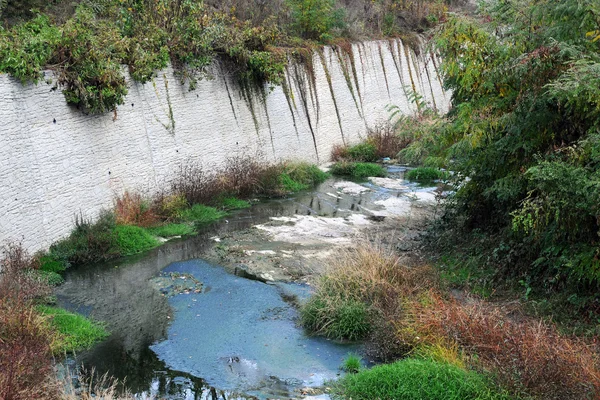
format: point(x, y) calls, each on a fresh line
point(132, 209)
point(202, 214)
point(426, 174)
point(358, 170)
point(171, 230)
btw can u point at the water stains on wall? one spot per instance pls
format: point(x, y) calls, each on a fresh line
point(56, 162)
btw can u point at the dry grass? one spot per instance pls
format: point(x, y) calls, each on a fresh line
point(132, 209)
point(386, 140)
point(26, 337)
point(415, 317)
point(527, 355)
point(93, 386)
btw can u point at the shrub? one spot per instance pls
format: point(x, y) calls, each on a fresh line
point(526, 355)
point(301, 176)
point(385, 140)
point(339, 153)
point(132, 209)
point(426, 174)
point(27, 48)
point(314, 19)
point(357, 170)
point(88, 242)
point(363, 152)
point(75, 331)
point(133, 239)
point(89, 54)
point(419, 380)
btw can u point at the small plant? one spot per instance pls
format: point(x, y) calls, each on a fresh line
point(358, 170)
point(352, 363)
point(132, 209)
point(426, 174)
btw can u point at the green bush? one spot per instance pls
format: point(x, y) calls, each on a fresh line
point(88, 242)
point(363, 152)
point(314, 19)
point(358, 170)
point(90, 53)
point(232, 203)
point(27, 48)
point(76, 332)
point(132, 239)
point(412, 379)
point(301, 176)
point(425, 174)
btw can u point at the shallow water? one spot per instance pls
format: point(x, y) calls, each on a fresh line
point(234, 338)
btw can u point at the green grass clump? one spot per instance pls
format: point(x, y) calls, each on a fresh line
point(76, 332)
point(301, 176)
point(425, 174)
point(171, 230)
point(133, 239)
point(49, 277)
point(232, 203)
point(358, 170)
point(336, 318)
point(50, 264)
point(412, 379)
point(364, 152)
point(201, 214)
point(351, 363)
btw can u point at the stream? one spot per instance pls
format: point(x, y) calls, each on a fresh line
point(186, 326)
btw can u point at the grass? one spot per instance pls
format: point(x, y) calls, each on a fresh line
point(413, 379)
point(426, 174)
point(301, 176)
point(170, 230)
point(358, 170)
point(76, 332)
point(201, 214)
point(133, 239)
point(351, 363)
point(336, 318)
point(232, 203)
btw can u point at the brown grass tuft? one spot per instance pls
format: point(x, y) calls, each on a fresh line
point(386, 140)
point(132, 209)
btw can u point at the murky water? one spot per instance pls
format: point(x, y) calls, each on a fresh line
point(230, 338)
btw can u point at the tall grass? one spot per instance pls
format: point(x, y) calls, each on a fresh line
point(358, 170)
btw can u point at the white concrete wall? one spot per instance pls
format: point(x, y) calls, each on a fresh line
point(56, 162)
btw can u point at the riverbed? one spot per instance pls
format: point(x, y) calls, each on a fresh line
point(215, 315)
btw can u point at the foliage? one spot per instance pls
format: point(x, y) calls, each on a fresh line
point(425, 174)
point(133, 239)
point(522, 137)
point(336, 318)
point(300, 176)
point(132, 209)
point(76, 332)
point(417, 379)
point(88, 242)
point(314, 19)
point(358, 170)
point(89, 52)
point(27, 48)
point(363, 152)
